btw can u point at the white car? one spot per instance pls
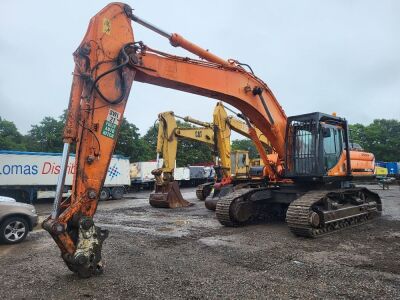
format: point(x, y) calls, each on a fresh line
point(16, 220)
point(7, 199)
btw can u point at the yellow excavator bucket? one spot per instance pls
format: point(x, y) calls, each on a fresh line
point(166, 193)
point(168, 196)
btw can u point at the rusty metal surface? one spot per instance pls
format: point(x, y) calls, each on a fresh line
point(168, 195)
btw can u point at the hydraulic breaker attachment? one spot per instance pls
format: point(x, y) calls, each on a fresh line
point(83, 259)
point(86, 261)
point(167, 193)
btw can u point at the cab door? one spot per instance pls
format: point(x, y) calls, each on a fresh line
point(333, 150)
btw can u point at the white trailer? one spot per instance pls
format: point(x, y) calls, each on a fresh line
point(182, 175)
point(140, 173)
point(31, 175)
point(141, 177)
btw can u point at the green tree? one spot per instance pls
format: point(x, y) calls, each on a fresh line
point(188, 152)
point(245, 144)
point(130, 144)
point(150, 139)
point(191, 152)
point(381, 137)
point(47, 136)
point(10, 138)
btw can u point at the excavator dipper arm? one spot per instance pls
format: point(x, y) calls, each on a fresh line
point(101, 83)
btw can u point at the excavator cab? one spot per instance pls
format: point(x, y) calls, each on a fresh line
point(240, 164)
point(317, 147)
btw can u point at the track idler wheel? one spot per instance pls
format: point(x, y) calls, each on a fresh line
point(168, 195)
point(219, 192)
point(211, 203)
point(242, 211)
point(204, 190)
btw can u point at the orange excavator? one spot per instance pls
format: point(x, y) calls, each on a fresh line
point(309, 177)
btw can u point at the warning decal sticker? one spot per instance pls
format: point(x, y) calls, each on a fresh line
point(110, 126)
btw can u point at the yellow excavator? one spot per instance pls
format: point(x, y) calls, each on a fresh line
point(232, 167)
point(167, 193)
point(236, 169)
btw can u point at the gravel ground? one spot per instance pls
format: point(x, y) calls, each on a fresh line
point(185, 253)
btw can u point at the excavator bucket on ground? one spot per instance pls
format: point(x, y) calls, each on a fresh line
point(167, 193)
point(168, 196)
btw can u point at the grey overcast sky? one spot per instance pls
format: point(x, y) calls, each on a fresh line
point(337, 55)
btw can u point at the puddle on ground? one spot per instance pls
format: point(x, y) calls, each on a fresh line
point(159, 215)
point(156, 231)
point(232, 241)
point(181, 222)
point(165, 229)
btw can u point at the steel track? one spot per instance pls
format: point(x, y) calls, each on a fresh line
point(297, 217)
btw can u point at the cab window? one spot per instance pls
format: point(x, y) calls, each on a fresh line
point(241, 160)
point(304, 151)
point(333, 146)
point(233, 163)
